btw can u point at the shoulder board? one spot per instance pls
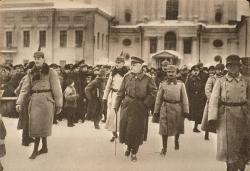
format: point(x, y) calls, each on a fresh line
point(163, 81)
point(128, 73)
point(148, 75)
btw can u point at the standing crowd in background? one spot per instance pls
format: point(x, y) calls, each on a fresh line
point(122, 97)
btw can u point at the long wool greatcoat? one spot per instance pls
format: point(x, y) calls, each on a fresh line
point(246, 144)
point(171, 114)
point(42, 105)
point(2, 137)
point(135, 96)
point(23, 115)
point(94, 92)
point(208, 91)
point(196, 97)
point(231, 120)
point(110, 93)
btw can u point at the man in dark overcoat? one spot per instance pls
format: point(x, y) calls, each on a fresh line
point(161, 73)
point(136, 94)
point(94, 92)
point(196, 96)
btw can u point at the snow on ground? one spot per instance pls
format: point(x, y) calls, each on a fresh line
point(83, 148)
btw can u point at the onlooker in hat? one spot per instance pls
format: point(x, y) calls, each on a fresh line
point(70, 104)
point(218, 70)
point(23, 122)
point(82, 97)
point(228, 111)
point(76, 76)
point(171, 106)
point(161, 73)
point(137, 91)
point(43, 84)
point(11, 82)
point(211, 71)
point(145, 68)
point(2, 143)
point(110, 93)
point(94, 92)
point(183, 74)
point(66, 74)
point(196, 96)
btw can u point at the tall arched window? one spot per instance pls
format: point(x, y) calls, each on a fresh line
point(170, 41)
point(127, 16)
point(172, 9)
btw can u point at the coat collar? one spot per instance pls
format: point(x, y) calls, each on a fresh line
point(174, 81)
point(230, 78)
point(139, 76)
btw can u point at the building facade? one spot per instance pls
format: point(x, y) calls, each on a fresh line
point(191, 30)
point(65, 31)
point(181, 31)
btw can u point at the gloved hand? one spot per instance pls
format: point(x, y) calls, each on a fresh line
point(186, 115)
point(18, 108)
point(212, 124)
point(156, 118)
point(58, 110)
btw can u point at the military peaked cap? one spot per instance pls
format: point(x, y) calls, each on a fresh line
point(220, 67)
point(135, 59)
point(119, 59)
point(171, 68)
point(233, 59)
point(165, 63)
point(38, 54)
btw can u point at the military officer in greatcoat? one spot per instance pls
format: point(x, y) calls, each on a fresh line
point(228, 111)
point(245, 71)
point(136, 94)
point(172, 104)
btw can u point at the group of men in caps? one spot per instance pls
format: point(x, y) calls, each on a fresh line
point(168, 96)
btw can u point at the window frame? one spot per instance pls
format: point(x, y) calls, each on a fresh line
point(187, 45)
point(9, 38)
point(26, 39)
point(153, 44)
point(170, 41)
point(63, 38)
point(172, 9)
point(78, 38)
point(42, 38)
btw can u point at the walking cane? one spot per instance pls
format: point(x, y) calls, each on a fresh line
point(115, 129)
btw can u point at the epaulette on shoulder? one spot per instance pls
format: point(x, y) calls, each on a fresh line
point(179, 81)
point(128, 73)
point(147, 74)
point(163, 81)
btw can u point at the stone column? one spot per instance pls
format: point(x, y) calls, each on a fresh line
point(195, 48)
point(162, 8)
point(190, 10)
point(181, 48)
point(146, 48)
point(202, 10)
point(196, 7)
point(134, 12)
point(181, 10)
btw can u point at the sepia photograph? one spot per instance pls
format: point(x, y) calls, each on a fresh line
point(124, 85)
